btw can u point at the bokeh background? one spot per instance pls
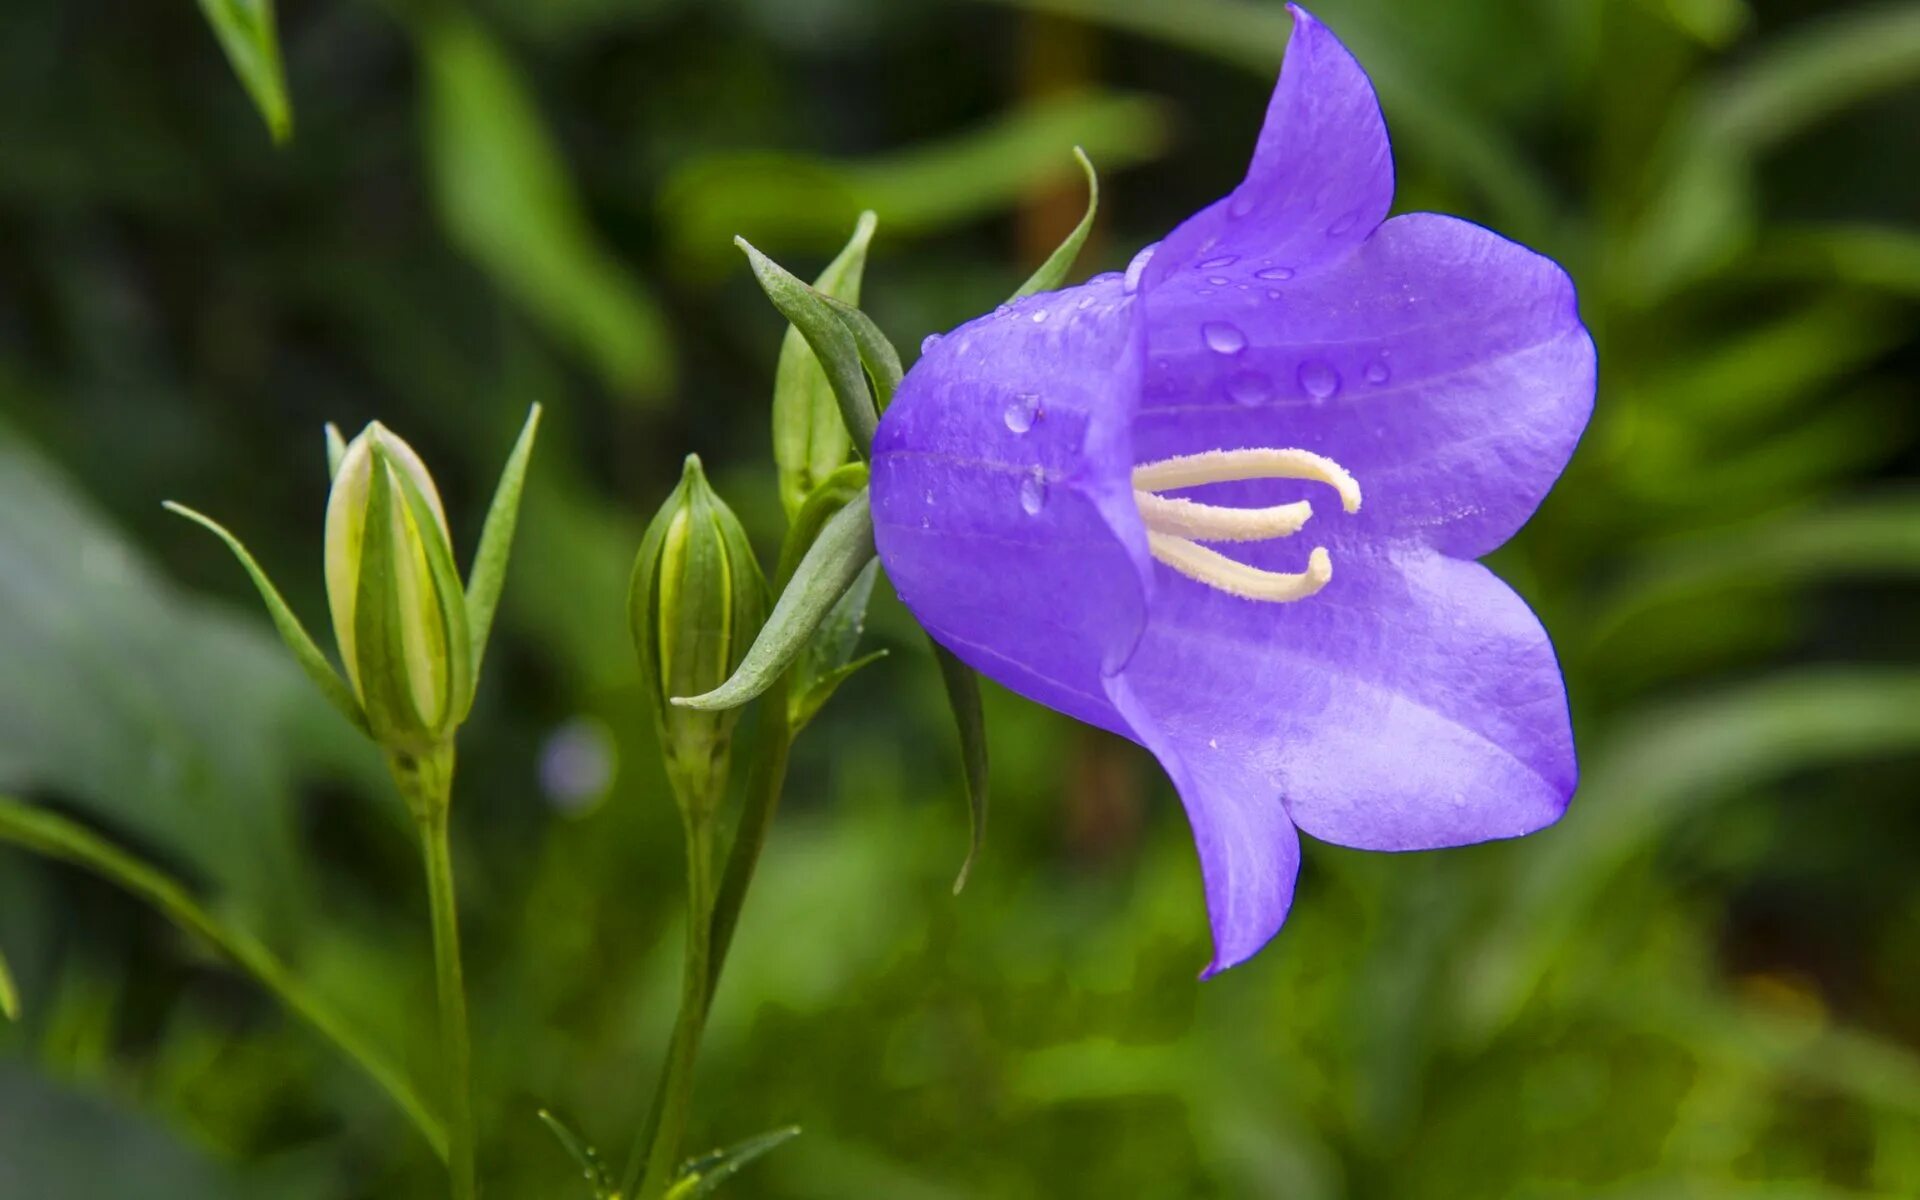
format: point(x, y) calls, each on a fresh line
point(1705, 982)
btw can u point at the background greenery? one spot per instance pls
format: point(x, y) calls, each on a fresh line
point(1705, 982)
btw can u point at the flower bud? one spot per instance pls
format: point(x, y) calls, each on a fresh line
point(697, 601)
point(399, 613)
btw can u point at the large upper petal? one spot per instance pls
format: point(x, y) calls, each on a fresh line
point(1321, 178)
point(1414, 703)
point(1443, 365)
point(1001, 502)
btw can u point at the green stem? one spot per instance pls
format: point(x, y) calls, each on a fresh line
point(427, 784)
point(48, 834)
point(674, 1101)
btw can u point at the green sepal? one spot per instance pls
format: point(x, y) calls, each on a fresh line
point(449, 597)
point(827, 661)
point(970, 719)
point(496, 542)
point(832, 343)
point(1053, 272)
point(584, 1156)
point(378, 642)
point(702, 1176)
point(828, 568)
point(9, 994)
point(294, 634)
point(246, 33)
point(336, 449)
point(810, 439)
point(877, 353)
point(830, 496)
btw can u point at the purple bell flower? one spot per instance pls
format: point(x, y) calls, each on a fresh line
point(1093, 496)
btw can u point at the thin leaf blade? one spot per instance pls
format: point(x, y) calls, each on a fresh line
point(832, 342)
point(703, 1176)
point(970, 721)
point(489, 571)
point(245, 29)
point(1053, 272)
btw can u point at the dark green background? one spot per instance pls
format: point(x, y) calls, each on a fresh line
point(1705, 982)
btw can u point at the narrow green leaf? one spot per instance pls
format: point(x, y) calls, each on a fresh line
point(583, 1155)
point(496, 542)
point(831, 495)
point(810, 440)
point(877, 352)
point(449, 597)
point(827, 660)
point(703, 1176)
point(829, 568)
point(246, 32)
point(294, 634)
point(970, 719)
point(508, 200)
point(9, 994)
point(336, 449)
point(832, 342)
point(1053, 272)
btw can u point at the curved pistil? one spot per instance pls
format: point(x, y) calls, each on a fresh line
point(1176, 526)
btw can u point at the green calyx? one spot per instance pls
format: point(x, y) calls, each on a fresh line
point(696, 602)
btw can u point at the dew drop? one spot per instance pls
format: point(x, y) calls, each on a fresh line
point(1277, 274)
point(1131, 280)
point(1218, 280)
point(1344, 225)
point(1033, 493)
point(1218, 264)
point(1318, 379)
point(929, 342)
point(1250, 388)
point(1223, 338)
point(1377, 372)
point(1240, 206)
point(1001, 310)
point(1039, 315)
point(1272, 294)
point(1021, 413)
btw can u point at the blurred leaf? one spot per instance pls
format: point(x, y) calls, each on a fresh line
point(787, 201)
point(831, 565)
point(810, 441)
point(1659, 768)
point(9, 991)
point(828, 660)
point(1053, 272)
point(583, 1155)
point(508, 201)
point(970, 722)
point(489, 571)
point(103, 686)
point(1710, 22)
point(246, 32)
point(830, 339)
point(703, 1176)
point(1253, 35)
point(1884, 258)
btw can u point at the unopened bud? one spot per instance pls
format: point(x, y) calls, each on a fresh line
point(697, 601)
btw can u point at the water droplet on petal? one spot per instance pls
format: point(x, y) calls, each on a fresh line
point(1218, 280)
point(1039, 315)
point(1001, 310)
point(1318, 379)
point(1216, 264)
point(1131, 281)
point(1344, 225)
point(1086, 302)
point(1033, 493)
point(1240, 206)
point(1021, 413)
point(1250, 388)
point(1277, 274)
point(929, 342)
point(1377, 372)
point(1223, 338)
point(1273, 295)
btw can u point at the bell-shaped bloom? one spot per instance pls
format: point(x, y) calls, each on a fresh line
point(1228, 506)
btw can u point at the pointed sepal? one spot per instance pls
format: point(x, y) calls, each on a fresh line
point(832, 343)
point(1053, 272)
point(970, 720)
point(810, 439)
point(496, 541)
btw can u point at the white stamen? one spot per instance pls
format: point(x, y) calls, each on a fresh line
point(1216, 570)
point(1212, 523)
point(1225, 466)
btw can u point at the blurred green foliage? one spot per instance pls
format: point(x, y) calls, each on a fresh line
point(1704, 983)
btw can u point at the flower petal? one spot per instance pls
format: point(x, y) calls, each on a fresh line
point(1001, 497)
point(1414, 703)
point(1249, 852)
point(1321, 179)
point(1441, 364)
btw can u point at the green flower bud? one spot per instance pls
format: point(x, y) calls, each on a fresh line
point(697, 601)
point(399, 612)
